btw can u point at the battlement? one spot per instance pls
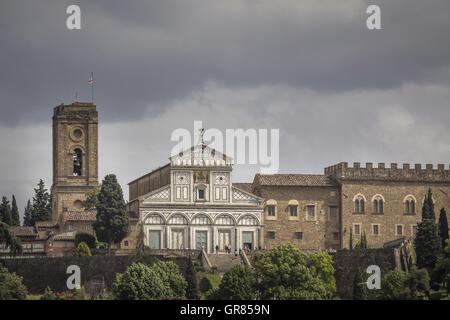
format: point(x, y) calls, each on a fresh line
point(406, 173)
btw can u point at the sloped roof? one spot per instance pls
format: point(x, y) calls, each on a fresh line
point(82, 215)
point(306, 180)
point(46, 224)
point(244, 186)
point(24, 231)
point(65, 236)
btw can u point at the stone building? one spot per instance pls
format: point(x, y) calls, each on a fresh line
point(386, 203)
point(75, 156)
point(299, 208)
point(191, 203)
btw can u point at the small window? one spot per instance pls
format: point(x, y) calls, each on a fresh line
point(133, 228)
point(378, 205)
point(77, 165)
point(399, 228)
point(125, 243)
point(299, 235)
point(271, 211)
point(333, 212)
point(271, 235)
point(70, 227)
point(335, 236)
point(201, 193)
point(293, 211)
point(410, 206)
point(87, 227)
point(310, 212)
point(359, 204)
point(357, 229)
point(375, 229)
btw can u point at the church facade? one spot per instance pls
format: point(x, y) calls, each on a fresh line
point(192, 203)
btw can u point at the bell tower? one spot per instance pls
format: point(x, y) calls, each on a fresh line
point(75, 155)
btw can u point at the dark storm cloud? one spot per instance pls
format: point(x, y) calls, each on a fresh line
point(146, 53)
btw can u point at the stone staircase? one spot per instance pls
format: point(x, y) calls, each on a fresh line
point(224, 262)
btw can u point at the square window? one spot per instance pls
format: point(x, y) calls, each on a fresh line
point(335, 236)
point(293, 211)
point(376, 229)
point(357, 229)
point(399, 230)
point(310, 212)
point(299, 235)
point(333, 212)
point(125, 243)
point(271, 234)
point(271, 211)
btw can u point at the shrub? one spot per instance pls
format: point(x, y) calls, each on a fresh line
point(82, 250)
point(11, 287)
point(87, 238)
point(48, 294)
point(141, 282)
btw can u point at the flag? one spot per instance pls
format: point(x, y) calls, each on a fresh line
point(91, 80)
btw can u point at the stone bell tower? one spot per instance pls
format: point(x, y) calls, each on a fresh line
point(75, 155)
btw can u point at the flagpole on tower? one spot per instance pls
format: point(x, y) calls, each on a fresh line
point(91, 82)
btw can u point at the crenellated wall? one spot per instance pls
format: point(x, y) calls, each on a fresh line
point(406, 173)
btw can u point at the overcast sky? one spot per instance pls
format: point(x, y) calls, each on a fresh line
point(335, 90)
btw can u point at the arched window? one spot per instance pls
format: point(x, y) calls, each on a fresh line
point(359, 203)
point(201, 219)
point(224, 221)
point(77, 164)
point(154, 219)
point(177, 219)
point(378, 204)
point(247, 221)
point(410, 205)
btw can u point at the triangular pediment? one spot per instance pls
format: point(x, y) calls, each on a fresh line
point(240, 195)
point(159, 195)
point(200, 155)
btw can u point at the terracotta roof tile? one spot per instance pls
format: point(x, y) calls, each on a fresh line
point(46, 224)
point(244, 186)
point(24, 231)
point(307, 180)
point(82, 215)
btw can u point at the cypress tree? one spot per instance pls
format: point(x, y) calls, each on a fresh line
point(27, 215)
point(41, 204)
point(350, 244)
point(427, 242)
point(191, 279)
point(443, 227)
point(359, 286)
point(5, 211)
point(428, 207)
point(15, 212)
point(112, 222)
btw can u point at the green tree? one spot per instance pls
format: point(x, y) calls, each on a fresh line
point(27, 216)
point(48, 294)
point(5, 212)
point(15, 212)
point(443, 266)
point(443, 227)
point(11, 287)
point(400, 285)
point(91, 201)
point(322, 266)
point(112, 222)
point(41, 204)
point(238, 283)
point(427, 242)
point(285, 273)
point(360, 286)
point(139, 282)
point(350, 244)
point(82, 250)
point(428, 207)
point(169, 272)
point(9, 239)
point(87, 238)
point(191, 279)
point(140, 245)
